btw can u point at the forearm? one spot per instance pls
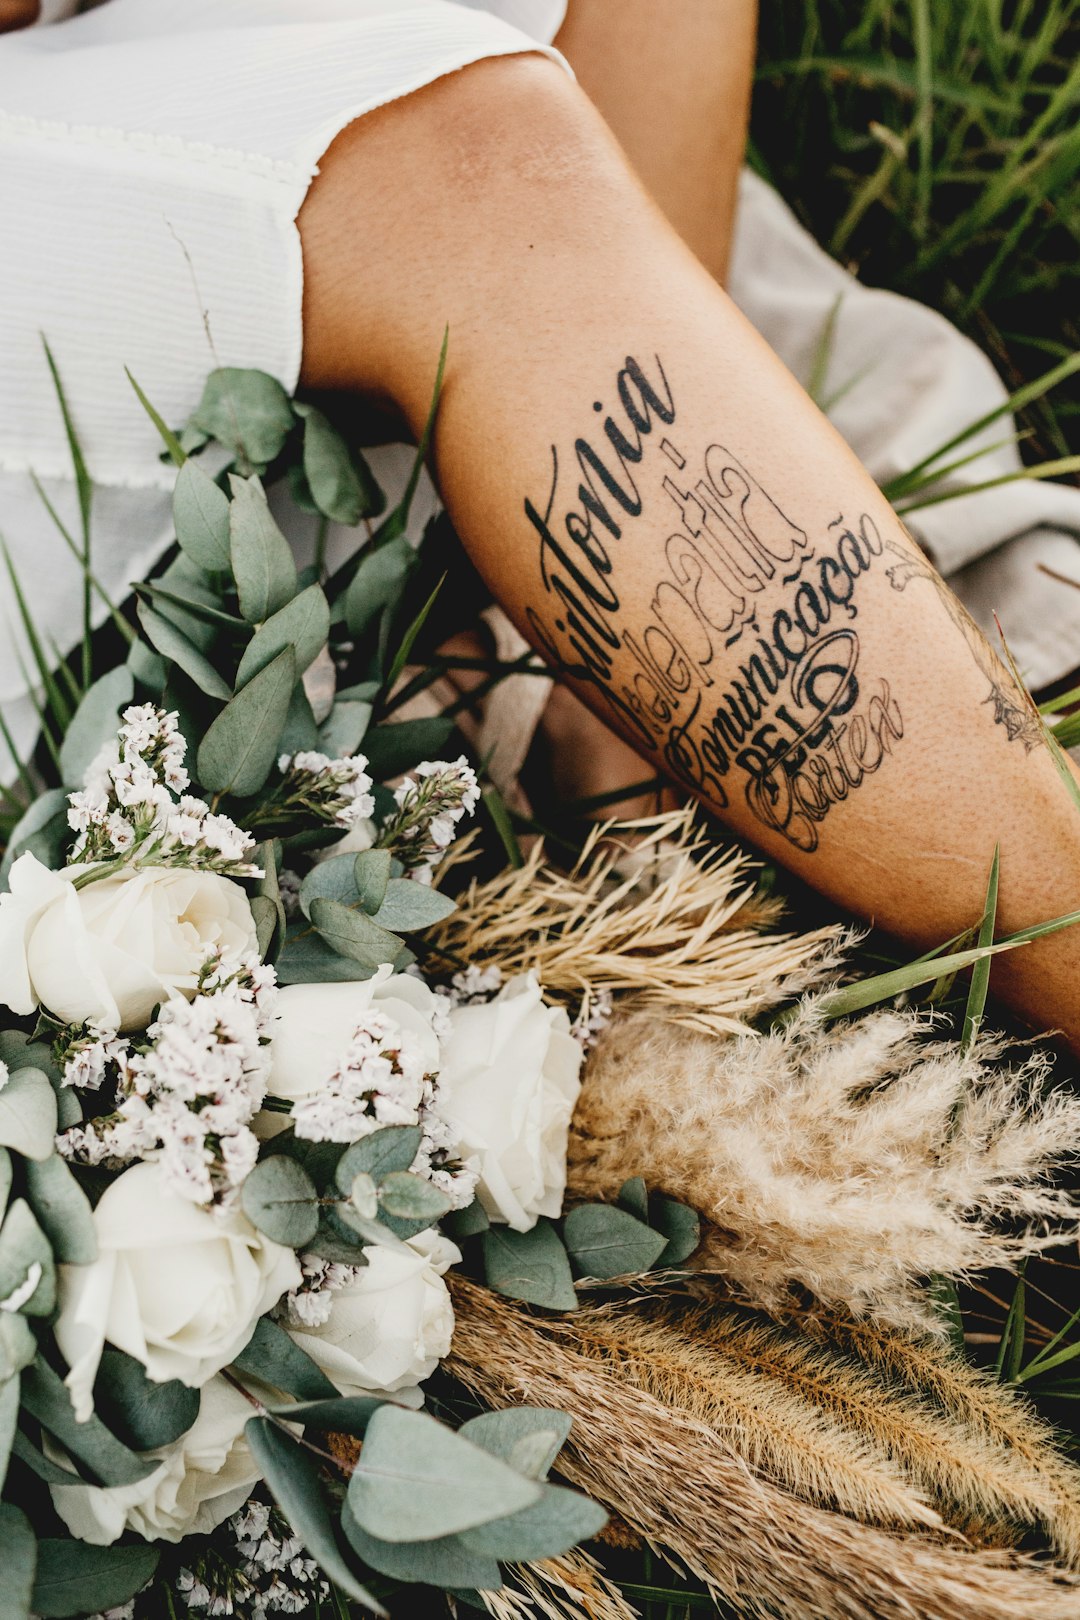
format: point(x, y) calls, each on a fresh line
point(673, 523)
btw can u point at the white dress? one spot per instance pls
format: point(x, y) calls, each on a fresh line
point(153, 157)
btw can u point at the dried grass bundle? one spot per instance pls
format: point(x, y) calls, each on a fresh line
point(674, 1479)
point(848, 1159)
point(686, 944)
point(780, 1433)
point(981, 1482)
point(569, 1588)
point(974, 1398)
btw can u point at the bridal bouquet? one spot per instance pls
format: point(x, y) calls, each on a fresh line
point(243, 1126)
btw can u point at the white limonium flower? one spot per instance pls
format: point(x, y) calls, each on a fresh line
point(337, 791)
point(186, 1096)
point(351, 1058)
point(430, 804)
point(134, 804)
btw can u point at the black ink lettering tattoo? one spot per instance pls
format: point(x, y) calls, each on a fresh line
point(801, 724)
point(1010, 709)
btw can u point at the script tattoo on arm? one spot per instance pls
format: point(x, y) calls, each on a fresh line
point(1010, 709)
point(801, 724)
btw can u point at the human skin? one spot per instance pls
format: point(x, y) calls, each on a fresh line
point(661, 509)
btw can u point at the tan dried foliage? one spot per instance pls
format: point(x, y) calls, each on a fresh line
point(675, 1480)
point(849, 1159)
point(652, 910)
point(573, 1587)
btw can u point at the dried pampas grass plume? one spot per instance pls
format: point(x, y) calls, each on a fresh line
point(653, 910)
point(849, 1159)
point(674, 1480)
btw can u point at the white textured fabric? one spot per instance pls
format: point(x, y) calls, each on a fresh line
point(153, 157)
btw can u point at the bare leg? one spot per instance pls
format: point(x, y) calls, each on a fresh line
point(659, 506)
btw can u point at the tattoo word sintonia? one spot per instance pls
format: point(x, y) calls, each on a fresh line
point(800, 724)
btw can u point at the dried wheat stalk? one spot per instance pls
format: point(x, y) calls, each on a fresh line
point(975, 1398)
point(850, 1159)
point(652, 910)
point(980, 1482)
point(756, 1546)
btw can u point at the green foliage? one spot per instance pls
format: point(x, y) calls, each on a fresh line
point(605, 1241)
point(279, 1198)
point(94, 723)
point(18, 1562)
point(201, 516)
point(24, 1252)
point(105, 1457)
point(381, 1154)
point(141, 1413)
point(271, 1356)
point(531, 1266)
point(247, 411)
point(302, 624)
point(353, 934)
point(937, 148)
point(28, 1114)
point(62, 1209)
point(74, 1579)
point(241, 744)
point(261, 560)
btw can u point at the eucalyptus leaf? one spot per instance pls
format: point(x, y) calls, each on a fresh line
point(147, 666)
point(28, 1116)
point(466, 1223)
point(90, 1442)
point(176, 648)
point(681, 1226)
point(379, 580)
point(6, 1174)
point(18, 1562)
point(63, 1210)
point(74, 1578)
point(633, 1195)
point(371, 875)
point(302, 624)
point(301, 732)
point(279, 1198)
point(42, 831)
point(9, 1418)
point(412, 1198)
point(560, 1520)
point(39, 1464)
point(241, 744)
point(398, 746)
point(246, 410)
point(274, 1358)
point(18, 1347)
point(443, 1563)
point(94, 723)
point(416, 1480)
point(267, 916)
point(409, 906)
point(140, 1412)
point(532, 1266)
point(529, 1438)
point(330, 879)
point(262, 563)
point(312, 961)
point(605, 1241)
point(201, 516)
point(294, 1481)
point(24, 1251)
point(331, 472)
point(355, 935)
point(346, 1414)
point(344, 729)
point(381, 1154)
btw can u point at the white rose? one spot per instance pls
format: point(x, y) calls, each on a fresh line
point(316, 1023)
point(389, 1328)
point(510, 1079)
point(111, 951)
point(177, 1287)
point(204, 1476)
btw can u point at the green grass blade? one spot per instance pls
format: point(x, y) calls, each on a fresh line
point(495, 805)
point(407, 640)
point(1010, 1352)
point(85, 491)
point(980, 973)
point(24, 775)
point(117, 617)
point(894, 489)
point(58, 703)
point(819, 364)
point(1045, 469)
point(168, 437)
